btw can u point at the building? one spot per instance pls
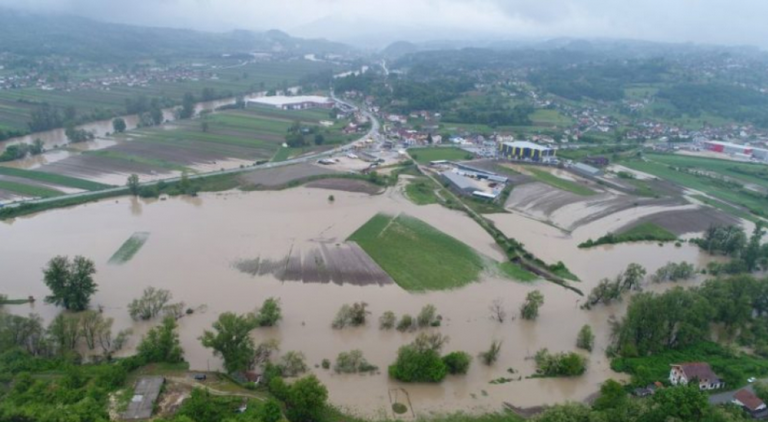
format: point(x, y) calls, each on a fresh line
point(459, 183)
point(587, 170)
point(760, 154)
point(145, 394)
point(524, 150)
point(750, 403)
point(598, 161)
point(299, 102)
point(727, 148)
point(682, 373)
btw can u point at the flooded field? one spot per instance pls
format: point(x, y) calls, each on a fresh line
point(196, 242)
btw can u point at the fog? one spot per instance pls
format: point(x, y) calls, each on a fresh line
point(381, 21)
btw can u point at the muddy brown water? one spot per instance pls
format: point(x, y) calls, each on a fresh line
point(194, 242)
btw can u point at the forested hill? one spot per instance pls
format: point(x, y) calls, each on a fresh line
point(35, 34)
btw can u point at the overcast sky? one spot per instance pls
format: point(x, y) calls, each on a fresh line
point(702, 21)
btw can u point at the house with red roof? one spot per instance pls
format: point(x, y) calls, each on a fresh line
point(683, 373)
point(750, 403)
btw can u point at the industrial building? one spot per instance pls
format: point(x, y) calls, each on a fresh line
point(524, 150)
point(299, 102)
point(471, 185)
point(728, 147)
point(587, 170)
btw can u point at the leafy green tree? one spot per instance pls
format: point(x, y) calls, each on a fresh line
point(133, 184)
point(71, 283)
point(306, 400)
point(64, 332)
point(420, 361)
point(387, 320)
point(202, 406)
point(119, 125)
point(752, 251)
point(271, 412)
point(232, 341)
point(187, 106)
point(161, 343)
point(319, 139)
point(270, 313)
point(457, 363)
point(686, 403)
point(530, 308)
point(204, 126)
point(293, 364)
point(585, 339)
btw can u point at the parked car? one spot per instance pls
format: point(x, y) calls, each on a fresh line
point(200, 377)
point(751, 380)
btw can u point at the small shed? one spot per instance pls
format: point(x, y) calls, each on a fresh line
point(587, 170)
point(145, 393)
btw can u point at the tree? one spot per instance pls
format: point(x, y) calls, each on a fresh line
point(585, 339)
point(204, 126)
point(427, 316)
point(457, 363)
point(633, 277)
point(161, 343)
point(232, 340)
point(65, 332)
point(71, 283)
point(319, 139)
point(271, 412)
point(293, 363)
point(119, 125)
point(187, 106)
point(353, 316)
point(352, 362)
point(497, 310)
point(530, 309)
point(752, 251)
point(306, 400)
point(270, 313)
point(133, 184)
point(490, 356)
point(559, 364)
point(149, 304)
point(93, 326)
point(420, 361)
point(387, 320)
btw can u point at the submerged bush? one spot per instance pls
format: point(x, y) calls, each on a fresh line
point(457, 363)
point(353, 362)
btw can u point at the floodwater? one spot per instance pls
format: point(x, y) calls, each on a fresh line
point(195, 244)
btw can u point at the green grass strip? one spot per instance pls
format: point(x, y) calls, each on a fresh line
point(129, 248)
point(57, 179)
point(29, 190)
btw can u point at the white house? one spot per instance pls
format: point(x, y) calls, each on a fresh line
point(682, 373)
point(751, 403)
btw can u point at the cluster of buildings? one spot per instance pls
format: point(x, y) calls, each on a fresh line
point(471, 181)
point(744, 151)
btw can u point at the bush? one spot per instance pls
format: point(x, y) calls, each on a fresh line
point(353, 362)
point(293, 364)
point(586, 339)
point(149, 304)
point(351, 316)
point(559, 364)
point(406, 323)
point(420, 361)
point(326, 364)
point(270, 313)
point(427, 316)
point(457, 362)
point(490, 356)
point(530, 309)
point(387, 320)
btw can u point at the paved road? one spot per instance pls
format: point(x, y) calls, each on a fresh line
point(727, 396)
point(313, 157)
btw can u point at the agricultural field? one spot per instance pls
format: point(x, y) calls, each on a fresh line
point(421, 191)
point(425, 155)
point(419, 257)
point(560, 183)
point(54, 179)
point(17, 105)
point(28, 190)
point(715, 188)
point(754, 173)
point(225, 139)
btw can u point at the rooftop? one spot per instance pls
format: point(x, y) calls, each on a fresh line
point(699, 370)
point(144, 395)
point(527, 144)
point(281, 100)
point(748, 399)
point(460, 181)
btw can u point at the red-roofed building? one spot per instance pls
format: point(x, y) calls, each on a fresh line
point(682, 373)
point(750, 403)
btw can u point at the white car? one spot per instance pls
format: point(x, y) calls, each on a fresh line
point(751, 380)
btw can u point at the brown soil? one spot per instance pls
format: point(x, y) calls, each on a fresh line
point(340, 263)
point(346, 185)
point(283, 175)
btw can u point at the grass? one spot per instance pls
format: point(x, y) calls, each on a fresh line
point(129, 248)
point(283, 154)
point(732, 366)
point(418, 256)
point(6, 301)
point(425, 155)
point(56, 179)
point(29, 190)
point(728, 209)
point(562, 184)
point(148, 161)
point(514, 271)
point(747, 172)
point(421, 191)
point(640, 233)
point(544, 117)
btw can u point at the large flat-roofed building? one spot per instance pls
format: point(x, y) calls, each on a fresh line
point(728, 147)
point(524, 150)
point(299, 102)
point(460, 183)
